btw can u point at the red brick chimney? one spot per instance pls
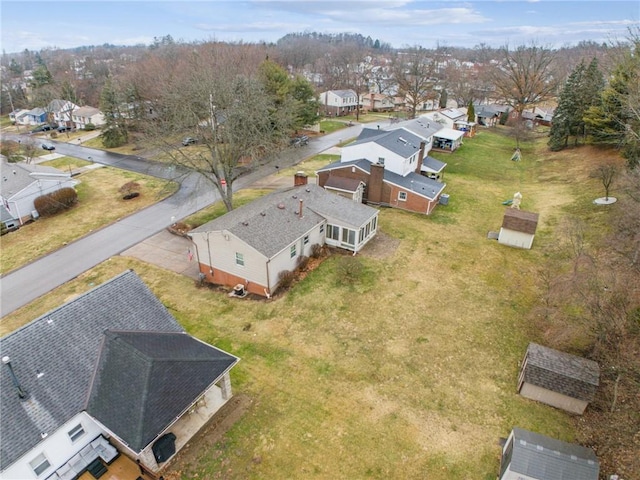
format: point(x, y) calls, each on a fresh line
point(423, 144)
point(374, 190)
point(300, 178)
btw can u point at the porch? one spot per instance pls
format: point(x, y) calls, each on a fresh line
point(123, 468)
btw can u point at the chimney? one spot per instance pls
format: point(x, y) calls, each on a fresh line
point(22, 394)
point(300, 209)
point(423, 144)
point(300, 178)
point(374, 192)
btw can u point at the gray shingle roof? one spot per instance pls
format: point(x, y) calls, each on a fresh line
point(545, 458)
point(430, 164)
point(399, 141)
point(54, 358)
point(16, 176)
point(561, 372)
point(164, 374)
point(421, 126)
point(343, 183)
point(344, 93)
point(271, 223)
point(413, 182)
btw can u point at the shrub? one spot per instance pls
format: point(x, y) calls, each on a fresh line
point(11, 150)
point(285, 279)
point(54, 202)
point(316, 250)
point(53, 134)
point(89, 127)
point(302, 262)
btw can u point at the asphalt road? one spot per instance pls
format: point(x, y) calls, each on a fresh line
point(20, 287)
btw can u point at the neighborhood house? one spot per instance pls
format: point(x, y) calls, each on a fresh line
point(252, 245)
point(108, 373)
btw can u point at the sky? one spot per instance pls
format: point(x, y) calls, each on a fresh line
point(35, 25)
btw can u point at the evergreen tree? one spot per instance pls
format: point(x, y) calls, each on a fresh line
point(471, 112)
point(444, 96)
point(114, 133)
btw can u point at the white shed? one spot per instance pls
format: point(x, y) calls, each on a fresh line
point(518, 228)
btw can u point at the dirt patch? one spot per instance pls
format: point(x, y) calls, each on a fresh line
point(380, 246)
point(208, 436)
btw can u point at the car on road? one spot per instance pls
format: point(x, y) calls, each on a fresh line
point(48, 146)
point(188, 141)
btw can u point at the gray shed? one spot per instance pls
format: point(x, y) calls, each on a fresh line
point(531, 456)
point(558, 379)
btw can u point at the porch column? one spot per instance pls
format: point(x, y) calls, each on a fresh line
point(225, 386)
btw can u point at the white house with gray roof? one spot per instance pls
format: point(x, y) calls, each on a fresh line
point(22, 183)
point(110, 372)
point(253, 244)
point(338, 102)
point(530, 456)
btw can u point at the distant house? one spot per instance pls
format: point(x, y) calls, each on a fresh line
point(447, 139)
point(84, 115)
point(22, 184)
point(558, 379)
point(61, 112)
point(110, 372)
point(338, 102)
point(376, 102)
point(518, 228)
point(447, 117)
point(18, 116)
point(530, 456)
point(253, 244)
point(539, 116)
point(488, 115)
point(35, 116)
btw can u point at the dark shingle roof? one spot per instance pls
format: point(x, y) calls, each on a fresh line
point(520, 221)
point(271, 223)
point(54, 358)
point(164, 374)
point(561, 372)
point(342, 183)
point(399, 141)
point(545, 458)
point(421, 126)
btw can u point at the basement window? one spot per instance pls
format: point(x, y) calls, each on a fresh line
point(402, 196)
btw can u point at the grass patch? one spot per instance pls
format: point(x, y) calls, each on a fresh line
point(330, 126)
point(97, 192)
point(412, 366)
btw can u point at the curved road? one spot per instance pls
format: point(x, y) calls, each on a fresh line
point(25, 284)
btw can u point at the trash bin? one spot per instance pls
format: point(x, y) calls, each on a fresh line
point(444, 199)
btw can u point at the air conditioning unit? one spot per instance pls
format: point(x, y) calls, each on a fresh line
point(34, 214)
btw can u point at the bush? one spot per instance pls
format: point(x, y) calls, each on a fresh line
point(316, 250)
point(53, 134)
point(350, 269)
point(285, 279)
point(54, 202)
point(302, 262)
point(89, 127)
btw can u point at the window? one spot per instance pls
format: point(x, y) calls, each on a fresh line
point(305, 240)
point(333, 232)
point(39, 464)
point(239, 259)
point(322, 228)
point(402, 196)
point(348, 236)
point(293, 250)
point(373, 223)
point(381, 160)
point(76, 432)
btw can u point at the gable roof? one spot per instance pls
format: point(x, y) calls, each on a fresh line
point(343, 93)
point(412, 182)
point(399, 141)
point(561, 372)
point(342, 183)
point(520, 221)
point(541, 457)
point(164, 374)
point(423, 127)
point(17, 176)
point(86, 111)
point(430, 164)
point(272, 222)
point(54, 358)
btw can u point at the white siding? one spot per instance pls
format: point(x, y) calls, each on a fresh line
point(21, 203)
point(515, 239)
point(554, 399)
point(57, 447)
point(372, 152)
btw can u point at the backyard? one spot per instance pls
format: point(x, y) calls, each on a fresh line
point(405, 367)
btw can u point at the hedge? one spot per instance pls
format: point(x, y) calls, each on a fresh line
point(54, 202)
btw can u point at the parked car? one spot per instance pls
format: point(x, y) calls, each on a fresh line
point(188, 141)
point(48, 146)
point(42, 128)
point(299, 141)
point(63, 128)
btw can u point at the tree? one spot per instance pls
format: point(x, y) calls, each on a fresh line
point(29, 149)
point(414, 73)
point(115, 132)
point(471, 112)
point(606, 174)
point(444, 96)
point(525, 76)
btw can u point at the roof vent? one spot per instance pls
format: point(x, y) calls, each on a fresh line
point(307, 189)
point(22, 394)
point(262, 214)
point(245, 223)
point(44, 434)
point(294, 196)
point(281, 206)
point(400, 139)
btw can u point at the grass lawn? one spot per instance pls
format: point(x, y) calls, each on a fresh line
point(99, 204)
point(406, 371)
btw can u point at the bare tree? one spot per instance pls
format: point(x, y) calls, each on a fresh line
point(525, 76)
point(29, 149)
point(414, 73)
point(606, 174)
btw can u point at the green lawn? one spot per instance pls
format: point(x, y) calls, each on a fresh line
point(409, 368)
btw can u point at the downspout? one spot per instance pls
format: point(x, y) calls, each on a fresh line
point(268, 282)
point(209, 252)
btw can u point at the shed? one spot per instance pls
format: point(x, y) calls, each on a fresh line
point(531, 456)
point(558, 379)
point(518, 228)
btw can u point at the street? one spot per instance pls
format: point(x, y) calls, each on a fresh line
point(25, 284)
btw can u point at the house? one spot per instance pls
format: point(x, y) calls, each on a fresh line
point(18, 116)
point(338, 102)
point(488, 115)
point(518, 228)
point(35, 116)
point(530, 456)
point(61, 112)
point(84, 115)
point(376, 102)
point(447, 117)
point(558, 379)
point(252, 245)
point(426, 130)
point(539, 116)
point(22, 183)
point(9, 222)
point(110, 372)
